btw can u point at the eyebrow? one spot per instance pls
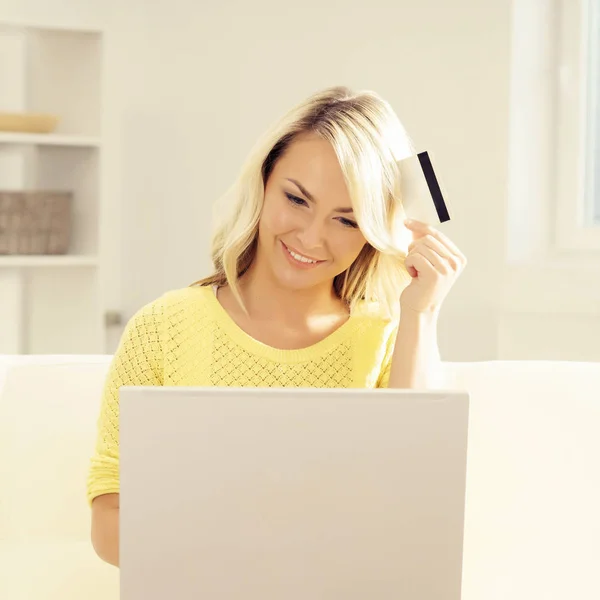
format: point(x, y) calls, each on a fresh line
point(312, 199)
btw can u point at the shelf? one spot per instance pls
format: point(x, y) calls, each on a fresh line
point(33, 261)
point(14, 25)
point(49, 139)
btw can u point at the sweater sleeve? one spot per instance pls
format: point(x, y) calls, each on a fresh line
point(386, 366)
point(137, 361)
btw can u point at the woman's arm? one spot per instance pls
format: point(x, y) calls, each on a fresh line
point(416, 361)
point(105, 527)
point(137, 361)
point(434, 263)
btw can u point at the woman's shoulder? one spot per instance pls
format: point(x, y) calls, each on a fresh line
point(180, 301)
point(188, 295)
point(372, 312)
point(374, 326)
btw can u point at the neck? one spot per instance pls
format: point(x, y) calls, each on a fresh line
point(266, 299)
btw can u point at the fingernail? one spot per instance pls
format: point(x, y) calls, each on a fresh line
point(408, 221)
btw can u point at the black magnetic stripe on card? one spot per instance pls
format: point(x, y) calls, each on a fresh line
point(434, 187)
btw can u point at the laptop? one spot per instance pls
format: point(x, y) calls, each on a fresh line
point(291, 494)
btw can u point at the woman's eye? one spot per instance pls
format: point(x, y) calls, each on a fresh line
point(348, 223)
point(300, 202)
point(295, 200)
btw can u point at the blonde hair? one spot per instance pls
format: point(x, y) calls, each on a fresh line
point(368, 139)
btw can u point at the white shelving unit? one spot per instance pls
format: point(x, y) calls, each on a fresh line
point(49, 139)
point(53, 304)
point(33, 261)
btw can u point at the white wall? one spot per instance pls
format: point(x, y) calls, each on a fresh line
point(191, 85)
point(198, 86)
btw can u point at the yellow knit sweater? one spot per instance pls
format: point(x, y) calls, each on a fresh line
point(186, 338)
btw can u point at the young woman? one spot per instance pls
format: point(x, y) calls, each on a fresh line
point(315, 282)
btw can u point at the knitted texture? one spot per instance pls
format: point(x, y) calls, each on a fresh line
point(186, 338)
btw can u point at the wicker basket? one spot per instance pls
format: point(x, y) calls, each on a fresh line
point(35, 222)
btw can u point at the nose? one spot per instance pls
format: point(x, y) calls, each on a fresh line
point(311, 236)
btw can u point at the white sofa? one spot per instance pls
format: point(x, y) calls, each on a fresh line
point(532, 527)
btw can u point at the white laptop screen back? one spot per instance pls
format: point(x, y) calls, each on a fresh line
point(291, 494)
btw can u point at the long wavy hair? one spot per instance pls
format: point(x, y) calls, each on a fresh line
point(368, 139)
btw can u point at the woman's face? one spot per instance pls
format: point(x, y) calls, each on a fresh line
point(307, 231)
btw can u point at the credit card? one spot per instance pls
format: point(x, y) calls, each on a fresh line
point(422, 195)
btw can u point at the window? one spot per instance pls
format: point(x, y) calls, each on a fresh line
point(552, 250)
point(577, 158)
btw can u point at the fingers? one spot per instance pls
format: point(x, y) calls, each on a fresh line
point(442, 244)
point(429, 244)
point(438, 261)
point(420, 263)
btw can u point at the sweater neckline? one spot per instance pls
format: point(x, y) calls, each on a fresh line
point(251, 344)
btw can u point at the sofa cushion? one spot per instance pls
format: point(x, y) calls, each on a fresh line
point(48, 413)
point(55, 570)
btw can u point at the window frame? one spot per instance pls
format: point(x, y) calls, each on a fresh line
point(573, 228)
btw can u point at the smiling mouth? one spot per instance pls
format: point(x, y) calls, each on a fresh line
point(300, 257)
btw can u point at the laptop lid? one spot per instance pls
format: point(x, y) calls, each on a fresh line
point(291, 494)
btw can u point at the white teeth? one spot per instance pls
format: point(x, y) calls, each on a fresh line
point(301, 258)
